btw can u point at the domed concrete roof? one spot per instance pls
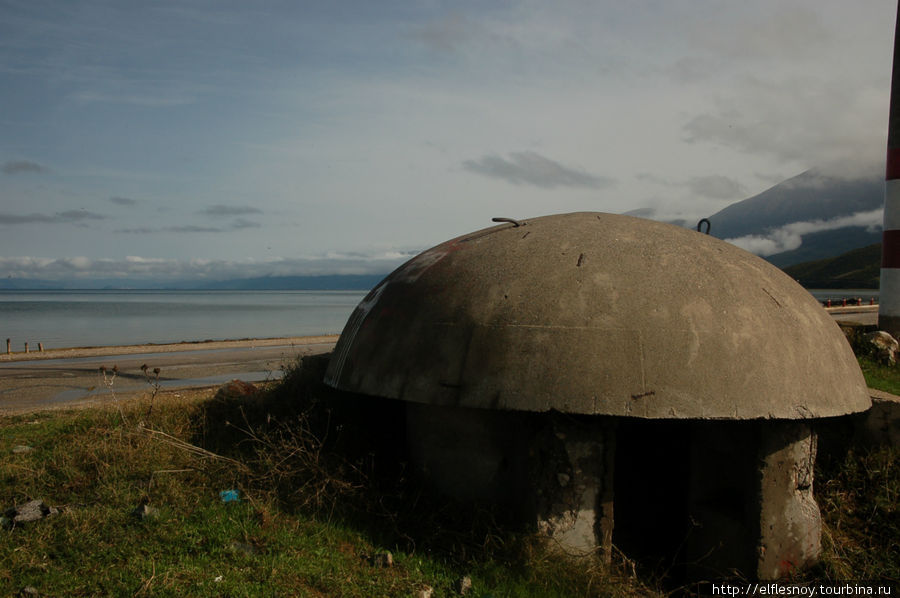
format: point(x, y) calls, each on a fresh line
point(599, 314)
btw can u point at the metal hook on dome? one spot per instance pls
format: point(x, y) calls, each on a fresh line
point(700, 225)
point(515, 223)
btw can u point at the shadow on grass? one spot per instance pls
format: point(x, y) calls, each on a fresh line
point(342, 457)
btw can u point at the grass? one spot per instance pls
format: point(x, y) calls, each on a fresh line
point(318, 510)
point(324, 496)
point(880, 376)
point(859, 494)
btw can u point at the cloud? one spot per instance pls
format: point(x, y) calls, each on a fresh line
point(244, 223)
point(23, 167)
point(790, 236)
point(531, 168)
point(715, 187)
point(446, 34)
point(147, 99)
point(69, 216)
point(188, 228)
point(799, 119)
point(192, 229)
point(123, 201)
point(144, 268)
point(220, 210)
point(649, 177)
point(238, 224)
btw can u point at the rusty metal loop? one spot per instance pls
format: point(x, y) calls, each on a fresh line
point(700, 225)
point(515, 223)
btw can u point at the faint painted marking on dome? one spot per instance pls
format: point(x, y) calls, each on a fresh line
point(418, 266)
point(352, 329)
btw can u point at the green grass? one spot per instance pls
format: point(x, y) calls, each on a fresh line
point(880, 376)
point(859, 495)
point(317, 507)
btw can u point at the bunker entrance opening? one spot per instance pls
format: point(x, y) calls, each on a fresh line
point(651, 486)
point(687, 495)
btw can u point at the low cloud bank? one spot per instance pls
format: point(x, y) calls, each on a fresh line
point(68, 216)
point(143, 268)
point(790, 236)
point(23, 167)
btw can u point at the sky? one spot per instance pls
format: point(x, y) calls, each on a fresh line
point(221, 139)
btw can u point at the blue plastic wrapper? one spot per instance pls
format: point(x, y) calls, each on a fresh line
point(230, 496)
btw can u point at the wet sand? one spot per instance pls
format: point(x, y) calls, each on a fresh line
point(62, 377)
point(76, 352)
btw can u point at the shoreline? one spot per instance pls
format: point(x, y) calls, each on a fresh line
point(205, 345)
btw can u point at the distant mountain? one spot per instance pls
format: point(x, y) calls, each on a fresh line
point(826, 244)
point(19, 284)
point(856, 269)
point(332, 282)
point(807, 197)
point(328, 282)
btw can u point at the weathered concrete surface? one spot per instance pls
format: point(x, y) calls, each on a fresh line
point(790, 522)
point(571, 469)
point(702, 499)
point(552, 472)
point(599, 314)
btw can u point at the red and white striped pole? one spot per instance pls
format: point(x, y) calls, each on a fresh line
point(889, 301)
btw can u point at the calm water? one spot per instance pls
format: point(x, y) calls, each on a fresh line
point(97, 318)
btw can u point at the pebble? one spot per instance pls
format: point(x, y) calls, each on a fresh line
point(245, 548)
point(463, 585)
point(30, 511)
point(144, 511)
point(383, 559)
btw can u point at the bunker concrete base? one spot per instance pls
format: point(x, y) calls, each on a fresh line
point(701, 499)
point(790, 522)
point(552, 471)
point(571, 467)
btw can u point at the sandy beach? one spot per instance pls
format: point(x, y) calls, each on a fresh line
point(64, 377)
point(75, 352)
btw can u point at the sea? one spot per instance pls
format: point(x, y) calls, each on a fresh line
point(97, 318)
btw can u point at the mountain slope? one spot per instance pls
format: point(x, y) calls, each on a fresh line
point(860, 268)
point(826, 244)
point(807, 197)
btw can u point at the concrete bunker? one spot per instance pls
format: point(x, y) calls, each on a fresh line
point(614, 381)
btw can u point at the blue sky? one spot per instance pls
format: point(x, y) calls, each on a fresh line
point(217, 139)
